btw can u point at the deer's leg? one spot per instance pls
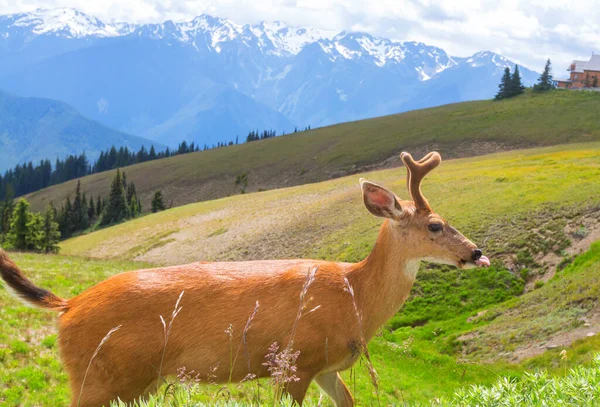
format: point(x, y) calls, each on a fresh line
point(298, 389)
point(332, 384)
point(98, 392)
point(92, 396)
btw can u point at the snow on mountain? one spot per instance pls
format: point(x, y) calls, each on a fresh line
point(273, 38)
point(67, 22)
point(426, 60)
point(287, 40)
point(483, 58)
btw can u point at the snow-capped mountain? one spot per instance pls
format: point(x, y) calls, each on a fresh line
point(65, 22)
point(164, 80)
point(272, 38)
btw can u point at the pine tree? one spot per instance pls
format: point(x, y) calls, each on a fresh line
point(66, 219)
point(130, 191)
point(50, 231)
point(116, 207)
point(157, 202)
point(99, 207)
point(545, 82)
point(504, 87)
point(85, 217)
point(6, 210)
point(79, 215)
point(35, 232)
point(92, 209)
point(516, 86)
point(18, 236)
point(77, 208)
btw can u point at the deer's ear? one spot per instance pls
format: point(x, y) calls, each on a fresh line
point(380, 201)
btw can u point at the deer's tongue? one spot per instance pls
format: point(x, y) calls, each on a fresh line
point(483, 262)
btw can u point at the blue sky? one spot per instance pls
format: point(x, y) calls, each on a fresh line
point(527, 32)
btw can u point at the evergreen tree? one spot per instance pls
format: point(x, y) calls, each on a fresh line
point(545, 82)
point(116, 208)
point(91, 209)
point(66, 222)
point(79, 215)
point(6, 211)
point(157, 202)
point(516, 86)
point(130, 192)
point(504, 88)
point(35, 232)
point(99, 207)
point(50, 231)
point(18, 236)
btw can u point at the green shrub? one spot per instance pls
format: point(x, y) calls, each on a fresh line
point(579, 387)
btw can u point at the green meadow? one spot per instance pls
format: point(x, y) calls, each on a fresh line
point(534, 212)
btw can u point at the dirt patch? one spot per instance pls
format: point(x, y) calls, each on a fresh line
point(279, 228)
point(582, 232)
point(590, 327)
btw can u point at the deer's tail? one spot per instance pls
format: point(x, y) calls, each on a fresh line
point(24, 289)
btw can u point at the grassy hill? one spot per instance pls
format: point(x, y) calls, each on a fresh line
point(495, 199)
point(533, 211)
point(32, 129)
point(458, 130)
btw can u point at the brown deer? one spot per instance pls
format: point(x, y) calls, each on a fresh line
point(218, 295)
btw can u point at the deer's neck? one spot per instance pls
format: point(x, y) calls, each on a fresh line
point(382, 282)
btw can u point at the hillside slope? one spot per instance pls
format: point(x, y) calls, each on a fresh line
point(327, 220)
point(32, 129)
point(458, 130)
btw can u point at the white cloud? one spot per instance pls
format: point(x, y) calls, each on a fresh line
point(527, 32)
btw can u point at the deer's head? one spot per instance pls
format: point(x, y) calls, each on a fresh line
point(420, 232)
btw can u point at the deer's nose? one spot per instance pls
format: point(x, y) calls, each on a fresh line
point(477, 254)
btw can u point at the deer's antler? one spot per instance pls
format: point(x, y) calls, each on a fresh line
point(415, 172)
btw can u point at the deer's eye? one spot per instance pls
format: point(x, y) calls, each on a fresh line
point(435, 227)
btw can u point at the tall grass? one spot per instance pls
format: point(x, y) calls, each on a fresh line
point(579, 387)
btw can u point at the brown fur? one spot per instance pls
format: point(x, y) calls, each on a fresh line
point(219, 294)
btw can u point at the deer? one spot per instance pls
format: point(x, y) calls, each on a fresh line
point(219, 295)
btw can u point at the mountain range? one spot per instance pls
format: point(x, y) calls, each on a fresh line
point(210, 79)
point(32, 129)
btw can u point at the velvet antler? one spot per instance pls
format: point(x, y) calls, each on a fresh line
point(415, 172)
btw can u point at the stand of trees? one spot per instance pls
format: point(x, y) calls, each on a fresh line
point(29, 231)
point(510, 85)
point(122, 202)
point(79, 214)
point(26, 178)
point(256, 135)
point(21, 229)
